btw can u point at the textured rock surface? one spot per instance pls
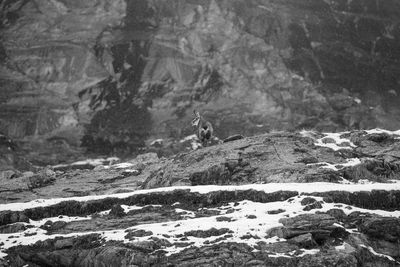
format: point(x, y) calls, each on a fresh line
point(159, 231)
point(260, 219)
point(113, 76)
point(277, 157)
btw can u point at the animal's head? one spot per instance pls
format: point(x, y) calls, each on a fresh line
point(196, 120)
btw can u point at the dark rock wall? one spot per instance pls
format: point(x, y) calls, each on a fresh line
point(111, 75)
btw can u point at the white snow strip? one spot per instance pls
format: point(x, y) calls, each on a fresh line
point(337, 166)
point(279, 255)
point(123, 165)
point(306, 252)
point(203, 189)
point(378, 130)
point(156, 142)
point(378, 254)
point(93, 162)
point(189, 138)
point(332, 146)
point(350, 162)
point(127, 208)
point(338, 141)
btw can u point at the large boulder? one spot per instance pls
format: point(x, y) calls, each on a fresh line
point(308, 230)
point(383, 228)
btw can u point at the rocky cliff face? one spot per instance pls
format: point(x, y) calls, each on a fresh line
point(110, 76)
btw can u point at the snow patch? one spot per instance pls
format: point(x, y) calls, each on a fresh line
point(127, 209)
point(337, 166)
point(193, 141)
point(379, 254)
point(309, 133)
point(341, 247)
point(124, 165)
point(189, 138)
point(335, 141)
point(338, 142)
point(91, 162)
point(157, 142)
point(306, 252)
point(378, 130)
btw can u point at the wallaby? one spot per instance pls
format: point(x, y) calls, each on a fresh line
point(204, 128)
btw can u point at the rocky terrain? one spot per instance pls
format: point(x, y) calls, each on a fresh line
point(99, 167)
point(110, 77)
point(277, 199)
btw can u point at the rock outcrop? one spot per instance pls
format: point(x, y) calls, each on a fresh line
point(278, 157)
point(112, 77)
point(185, 228)
point(278, 199)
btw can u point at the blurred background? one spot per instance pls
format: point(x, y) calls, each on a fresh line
point(122, 77)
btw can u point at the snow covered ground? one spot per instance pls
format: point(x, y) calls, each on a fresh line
point(246, 221)
point(251, 219)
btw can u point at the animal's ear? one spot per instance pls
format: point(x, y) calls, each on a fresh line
point(196, 113)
